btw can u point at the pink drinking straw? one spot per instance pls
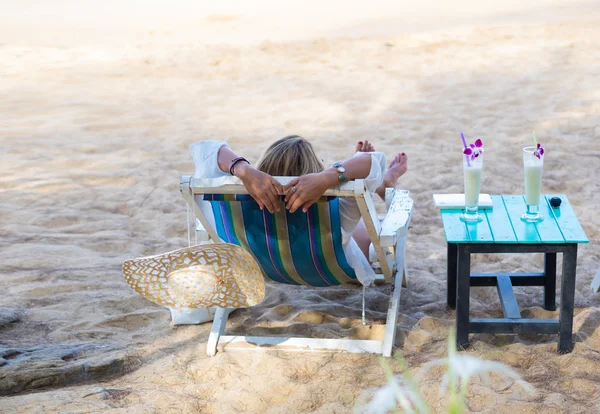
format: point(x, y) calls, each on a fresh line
point(465, 144)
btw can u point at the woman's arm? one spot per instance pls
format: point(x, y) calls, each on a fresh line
point(262, 187)
point(309, 188)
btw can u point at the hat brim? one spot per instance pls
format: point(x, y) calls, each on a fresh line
point(210, 275)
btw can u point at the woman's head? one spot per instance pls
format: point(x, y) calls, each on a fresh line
point(290, 156)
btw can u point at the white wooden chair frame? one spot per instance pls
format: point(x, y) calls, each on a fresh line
point(388, 237)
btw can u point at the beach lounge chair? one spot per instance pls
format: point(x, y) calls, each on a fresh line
point(302, 249)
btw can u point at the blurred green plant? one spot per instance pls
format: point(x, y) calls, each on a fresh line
point(402, 393)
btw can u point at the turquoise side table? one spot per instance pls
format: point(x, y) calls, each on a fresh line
point(502, 231)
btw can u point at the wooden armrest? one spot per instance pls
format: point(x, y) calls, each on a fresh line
point(390, 193)
point(233, 185)
point(395, 224)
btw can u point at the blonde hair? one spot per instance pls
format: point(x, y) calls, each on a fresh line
point(290, 156)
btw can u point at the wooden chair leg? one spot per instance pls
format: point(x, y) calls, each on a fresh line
point(400, 260)
point(392, 317)
point(218, 328)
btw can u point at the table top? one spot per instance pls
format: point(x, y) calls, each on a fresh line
point(503, 223)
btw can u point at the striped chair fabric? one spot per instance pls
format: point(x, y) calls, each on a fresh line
point(298, 248)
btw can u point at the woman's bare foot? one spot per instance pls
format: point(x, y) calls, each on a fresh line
point(364, 146)
point(398, 166)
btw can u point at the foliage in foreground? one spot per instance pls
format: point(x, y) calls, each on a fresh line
point(402, 393)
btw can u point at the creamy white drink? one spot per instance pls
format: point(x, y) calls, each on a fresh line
point(533, 168)
point(472, 176)
point(533, 180)
point(472, 184)
point(472, 166)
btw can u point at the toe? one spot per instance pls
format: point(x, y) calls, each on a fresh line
point(400, 158)
point(359, 146)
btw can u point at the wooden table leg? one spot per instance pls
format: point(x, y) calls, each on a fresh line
point(452, 262)
point(550, 281)
point(567, 299)
point(463, 290)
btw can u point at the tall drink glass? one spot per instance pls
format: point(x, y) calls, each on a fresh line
point(472, 172)
point(533, 169)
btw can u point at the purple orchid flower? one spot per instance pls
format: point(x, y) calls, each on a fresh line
point(474, 150)
point(539, 151)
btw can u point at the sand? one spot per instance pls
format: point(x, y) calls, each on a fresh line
point(97, 117)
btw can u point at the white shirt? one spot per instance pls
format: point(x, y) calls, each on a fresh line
point(205, 154)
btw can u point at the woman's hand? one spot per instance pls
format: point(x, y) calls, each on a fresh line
point(263, 188)
point(306, 190)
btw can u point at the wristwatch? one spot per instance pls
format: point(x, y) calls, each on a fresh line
point(341, 170)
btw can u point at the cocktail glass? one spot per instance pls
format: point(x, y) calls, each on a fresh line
point(533, 168)
point(472, 173)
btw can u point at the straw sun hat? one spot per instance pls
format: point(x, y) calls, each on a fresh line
point(221, 275)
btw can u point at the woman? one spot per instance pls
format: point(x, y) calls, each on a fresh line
point(294, 156)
